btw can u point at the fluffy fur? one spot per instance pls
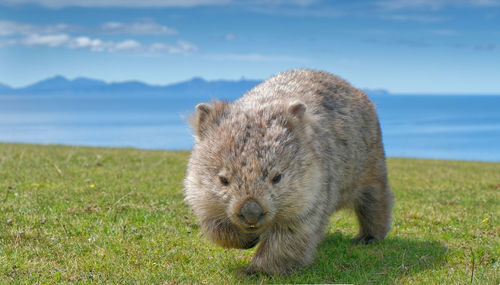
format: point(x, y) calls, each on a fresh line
point(322, 137)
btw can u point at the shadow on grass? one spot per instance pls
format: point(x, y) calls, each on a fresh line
point(340, 261)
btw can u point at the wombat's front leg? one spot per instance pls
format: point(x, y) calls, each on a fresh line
point(225, 234)
point(283, 249)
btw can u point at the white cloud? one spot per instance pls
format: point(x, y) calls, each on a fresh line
point(11, 28)
point(145, 27)
point(80, 43)
point(25, 34)
point(181, 47)
point(15, 28)
point(46, 40)
point(86, 42)
point(63, 40)
point(127, 45)
point(137, 28)
point(99, 45)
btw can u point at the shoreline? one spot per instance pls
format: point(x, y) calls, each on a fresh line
point(188, 150)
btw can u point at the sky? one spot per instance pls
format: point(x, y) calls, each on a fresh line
point(404, 46)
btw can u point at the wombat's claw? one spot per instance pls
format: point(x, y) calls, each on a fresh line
point(249, 272)
point(363, 239)
point(253, 243)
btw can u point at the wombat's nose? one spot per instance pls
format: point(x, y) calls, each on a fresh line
point(251, 212)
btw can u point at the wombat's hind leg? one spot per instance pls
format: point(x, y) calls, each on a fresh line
point(373, 209)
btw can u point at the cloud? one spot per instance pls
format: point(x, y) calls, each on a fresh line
point(291, 8)
point(99, 45)
point(126, 45)
point(137, 28)
point(8, 28)
point(86, 42)
point(59, 35)
point(434, 4)
point(64, 40)
point(154, 3)
point(145, 27)
point(181, 47)
point(149, 3)
point(46, 40)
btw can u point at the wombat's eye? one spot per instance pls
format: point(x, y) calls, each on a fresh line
point(276, 179)
point(223, 180)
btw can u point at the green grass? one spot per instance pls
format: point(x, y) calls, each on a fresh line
point(77, 214)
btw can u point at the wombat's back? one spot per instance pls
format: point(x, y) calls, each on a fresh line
point(322, 90)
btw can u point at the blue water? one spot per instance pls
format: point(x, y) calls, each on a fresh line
point(441, 127)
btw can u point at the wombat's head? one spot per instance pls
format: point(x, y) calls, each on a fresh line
point(251, 167)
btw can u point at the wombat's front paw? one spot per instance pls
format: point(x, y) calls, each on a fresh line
point(249, 272)
point(363, 239)
point(254, 271)
point(252, 243)
point(283, 270)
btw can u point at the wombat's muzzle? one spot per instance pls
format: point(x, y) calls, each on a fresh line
point(251, 213)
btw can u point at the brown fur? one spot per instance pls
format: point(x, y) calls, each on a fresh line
point(323, 137)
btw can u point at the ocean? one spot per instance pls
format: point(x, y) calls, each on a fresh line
point(457, 127)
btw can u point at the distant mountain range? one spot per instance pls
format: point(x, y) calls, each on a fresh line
point(196, 88)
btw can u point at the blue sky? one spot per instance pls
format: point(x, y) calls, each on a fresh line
point(419, 46)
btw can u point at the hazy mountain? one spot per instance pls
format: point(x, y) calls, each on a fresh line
point(196, 88)
point(376, 92)
point(53, 83)
point(60, 83)
point(222, 89)
point(83, 82)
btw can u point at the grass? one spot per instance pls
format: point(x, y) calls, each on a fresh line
point(77, 214)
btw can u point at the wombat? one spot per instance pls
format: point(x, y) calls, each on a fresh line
point(271, 167)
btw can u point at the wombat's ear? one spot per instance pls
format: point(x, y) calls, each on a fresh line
point(206, 115)
point(202, 114)
point(297, 109)
point(203, 110)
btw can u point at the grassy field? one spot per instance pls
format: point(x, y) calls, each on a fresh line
point(75, 214)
